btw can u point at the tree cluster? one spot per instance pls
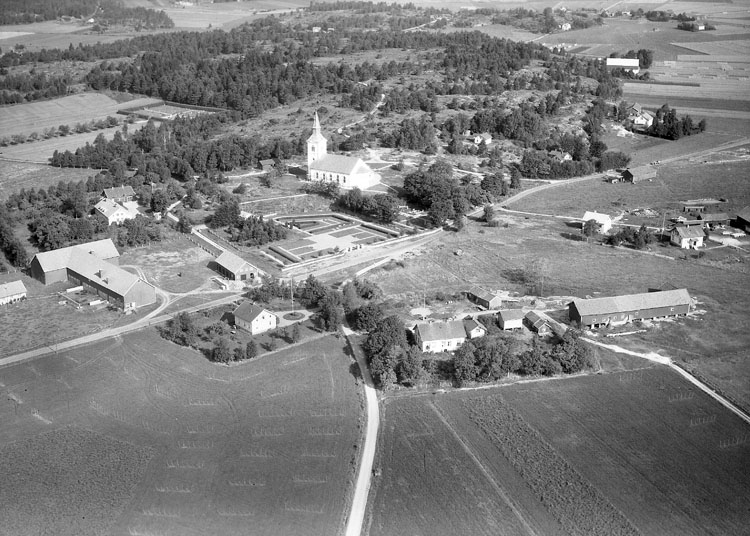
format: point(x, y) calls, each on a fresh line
point(10, 244)
point(668, 125)
point(638, 239)
point(381, 207)
point(104, 11)
point(180, 330)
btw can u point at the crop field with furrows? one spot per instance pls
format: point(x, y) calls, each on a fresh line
point(433, 483)
point(634, 452)
point(663, 453)
point(263, 447)
point(70, 110)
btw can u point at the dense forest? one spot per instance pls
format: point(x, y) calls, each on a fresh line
point(102, 11)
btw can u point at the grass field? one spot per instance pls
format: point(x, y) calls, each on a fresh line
point(266, 447)
point(70, 110)
point(17, 175)
point(638, 452)
point(729, 179)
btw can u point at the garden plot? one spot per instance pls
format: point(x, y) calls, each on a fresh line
point(268, 442)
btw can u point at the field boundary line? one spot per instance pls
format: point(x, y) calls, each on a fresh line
point(500, 491)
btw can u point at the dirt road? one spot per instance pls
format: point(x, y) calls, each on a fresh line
point(362, 487)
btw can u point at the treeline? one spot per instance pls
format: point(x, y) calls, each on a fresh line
point(107, 11)
point(181, 149)
point(645, 56)
point(10, 244)
point(250, 231)
point(362, 7)
point(27, 87)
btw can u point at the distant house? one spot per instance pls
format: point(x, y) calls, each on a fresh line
point(635, 110)
point(627, 64)
point(235, 268)
point(94, 266)
point(114, 212)
point(511, 319)
point(538, 323)
point(484, 298)
point(643, 120)
point(638, 174)
point(12, 292)
point(618, 310)
point(561, 156)
point(446, 336)
point(267, 164)
point(565, 26)
point(604, 221)
point(687, 237)
point(743, 220)
point(120, 194)
point(485, 137)
point(254, 319)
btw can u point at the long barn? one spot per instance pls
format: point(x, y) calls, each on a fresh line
point(617, 310)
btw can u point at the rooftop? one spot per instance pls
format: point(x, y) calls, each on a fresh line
point(231, 262)
point(511, 314)
point(11, 289)
point(248, 311)
point(440, 331)
point(689, 232)
point(632, 302)
point(59, 258)
point(119, 191)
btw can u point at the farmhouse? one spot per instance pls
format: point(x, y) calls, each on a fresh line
point(114, 212)
point(743, 220)
point(120, 194)
point(94, 265)
point(687, 237)
point(561, 156)
point(511, 319)
point(12, 292)
point(254, 319)
point(346, 171)
point(485, 137)
point(618, 310)
point(235, 268)
point(643, 120)
point(484, 298)
point(538, 323)
point(604, 221)
point(565, 26)
point(638, 174)
point(446, 336)
point(627, 64)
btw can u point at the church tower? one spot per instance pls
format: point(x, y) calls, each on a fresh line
point(317, 145)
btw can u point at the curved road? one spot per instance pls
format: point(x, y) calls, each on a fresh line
point(362, 487)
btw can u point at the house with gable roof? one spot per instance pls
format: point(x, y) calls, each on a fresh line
point(448, 335)
point(235, 267)
point(12, 292)
point(120, 194)
point(346, 171)
point(687, 237)
point(114, 212)
point(254, 319)
point(617, 310)
point(604, 220)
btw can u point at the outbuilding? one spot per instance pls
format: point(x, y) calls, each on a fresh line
point(12, 292)
point(743, 220)
point(484, 298)
point(120, 194)
point(235, 267)
point(538, 323)
point(511, 319)
point(618, 310)
point(638, 174)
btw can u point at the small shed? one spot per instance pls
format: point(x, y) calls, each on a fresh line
point(538, 323)
point(484, 298)
point(267, 164)
point(235, 267)
point(474, 328)
point(511, 319)
point(687, 237)
point(12, 292)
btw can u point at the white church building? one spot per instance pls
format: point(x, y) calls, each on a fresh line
point(347, 171)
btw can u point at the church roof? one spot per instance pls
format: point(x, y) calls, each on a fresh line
point(345, 165)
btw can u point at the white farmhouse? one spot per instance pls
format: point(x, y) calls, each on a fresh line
point(114, 212)
point(254, 319)
point(12, 292)
point(604, 221)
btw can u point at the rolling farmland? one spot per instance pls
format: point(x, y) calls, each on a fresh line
point(636, 452)
point(195, 448)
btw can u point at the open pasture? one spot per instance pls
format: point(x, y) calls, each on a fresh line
point(82, 107)
point(17, 175)
point(728, 177)
point(266, 447)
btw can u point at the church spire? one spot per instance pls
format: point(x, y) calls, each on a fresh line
point(316, 125)
point(317, 145)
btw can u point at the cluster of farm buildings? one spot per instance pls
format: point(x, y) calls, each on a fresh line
point(448, 335)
